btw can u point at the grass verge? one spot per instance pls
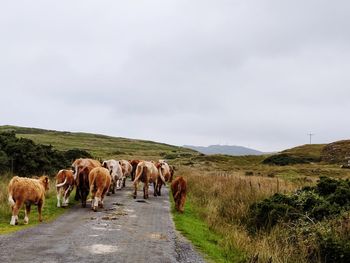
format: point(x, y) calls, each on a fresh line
point(197, 231)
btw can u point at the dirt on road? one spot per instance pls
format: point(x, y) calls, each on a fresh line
point(126, 230)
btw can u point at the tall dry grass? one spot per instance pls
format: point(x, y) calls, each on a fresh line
point(223, 200)
point(4, 206)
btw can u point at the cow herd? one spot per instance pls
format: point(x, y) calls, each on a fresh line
point(98, 179)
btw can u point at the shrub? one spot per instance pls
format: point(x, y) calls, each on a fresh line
point(327, 199)
point(286, 159)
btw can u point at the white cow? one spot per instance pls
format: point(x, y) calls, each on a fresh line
point(116, 173)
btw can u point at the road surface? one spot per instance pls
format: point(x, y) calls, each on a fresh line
point(126, 230)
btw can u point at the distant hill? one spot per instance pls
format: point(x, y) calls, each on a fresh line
point(225, 149)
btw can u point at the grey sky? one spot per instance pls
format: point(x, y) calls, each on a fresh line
point(260, 74)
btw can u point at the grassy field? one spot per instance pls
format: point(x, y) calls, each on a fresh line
point(221, 190)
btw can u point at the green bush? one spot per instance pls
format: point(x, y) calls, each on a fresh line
point(327, 199)
point(286, 159)
point(334, 249)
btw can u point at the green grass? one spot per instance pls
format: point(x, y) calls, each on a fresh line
point(207, 241)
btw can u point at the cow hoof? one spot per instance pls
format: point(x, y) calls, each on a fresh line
point(95, 209)
point(108, 194)
point(83, 205)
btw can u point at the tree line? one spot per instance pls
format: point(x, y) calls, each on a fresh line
point(24, 157)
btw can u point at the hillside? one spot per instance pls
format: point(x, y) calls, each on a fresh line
point(225, 149)
point(307, 150)
point(336, 152)
point(102, 146)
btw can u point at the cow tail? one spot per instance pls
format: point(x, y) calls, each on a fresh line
point(62, 184)
point(92, 184)
point(161, 175)
point(138, 173)
point(11, 200)
point(178, 191)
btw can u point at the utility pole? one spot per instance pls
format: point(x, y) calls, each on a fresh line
point(310, 134)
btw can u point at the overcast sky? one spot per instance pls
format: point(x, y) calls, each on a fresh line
point(261, 74)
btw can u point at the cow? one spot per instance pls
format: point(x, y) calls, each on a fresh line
point(164, 175)
point(146, 172)
point(179, 190)
point(134, 164)
point(116, 173)
point(64, 186)
point(126, 169)
point(100, 181)
point(28, 191)
point(81, 168)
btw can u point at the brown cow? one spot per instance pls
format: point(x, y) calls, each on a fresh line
point(179, 189)
point(164, 175)
point(81, 169)
point(28, 191)
point(100, 181)
point(146, 172)
point(64, 186)
point(134, 164)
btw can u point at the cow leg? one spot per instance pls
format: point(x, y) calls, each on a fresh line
point(119, 184)
point(15, 210)
point(26, 213)
point(66, 196)
point(103, 196)
point(77, 195)
point(93, 194)
point(145, 189)
point(99, 196)
point(154, 189)
point(136, 183)
point(58, 197)
point(40, 207)
point(182, 203)
point(114, 185)
point(83, 199)
point(159, 187)
point(124, 179)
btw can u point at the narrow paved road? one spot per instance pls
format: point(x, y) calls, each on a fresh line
point(126, 230)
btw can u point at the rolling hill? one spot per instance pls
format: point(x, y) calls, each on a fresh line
point(225, 149)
